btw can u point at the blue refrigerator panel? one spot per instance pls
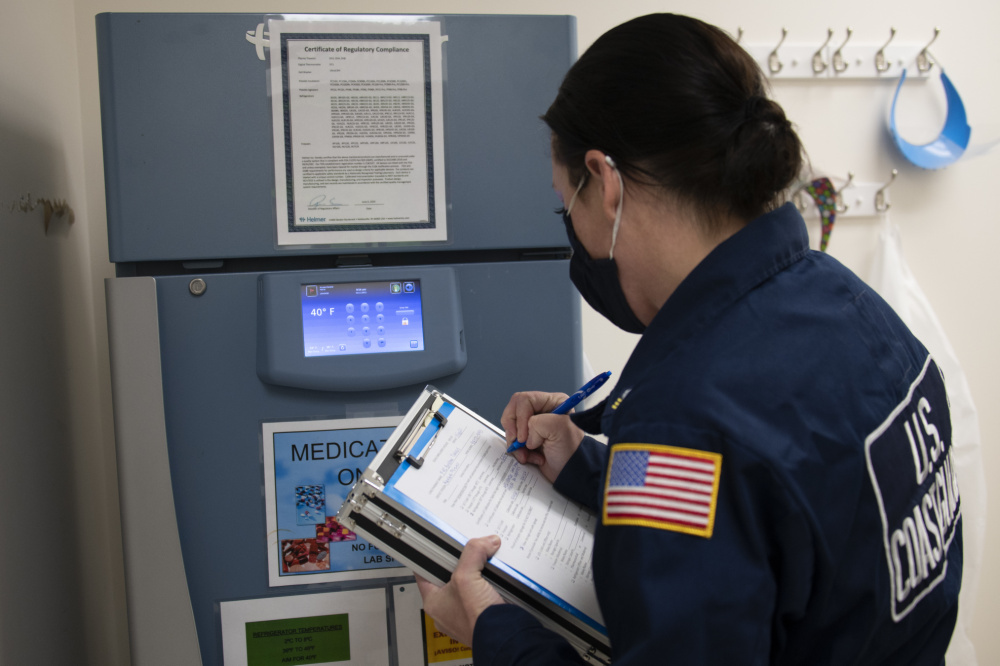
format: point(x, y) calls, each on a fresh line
point(186, 120)
point(213, 405)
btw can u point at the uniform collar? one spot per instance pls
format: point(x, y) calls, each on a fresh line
point(761, 249)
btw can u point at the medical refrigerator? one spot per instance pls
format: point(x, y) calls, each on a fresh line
point(278, 304)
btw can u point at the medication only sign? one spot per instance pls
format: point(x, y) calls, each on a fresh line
point(912, 469)
point(309, 469)
point(358, 131)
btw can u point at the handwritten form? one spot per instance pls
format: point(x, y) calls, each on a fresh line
point(479, 490)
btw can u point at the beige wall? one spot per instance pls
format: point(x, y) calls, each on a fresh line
point(54, 395)
point(60, 586)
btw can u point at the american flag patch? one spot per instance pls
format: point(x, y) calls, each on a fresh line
point(663, 487)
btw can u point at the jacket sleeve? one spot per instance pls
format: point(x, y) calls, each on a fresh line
point(582, 478)
point(508, 634)
point(673, 592)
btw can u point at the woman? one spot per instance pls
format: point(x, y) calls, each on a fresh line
point(777, 485)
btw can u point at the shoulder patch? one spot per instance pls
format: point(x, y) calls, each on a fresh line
point(912, 470)
point(663, 487)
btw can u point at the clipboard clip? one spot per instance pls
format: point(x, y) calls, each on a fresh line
point(426, 417)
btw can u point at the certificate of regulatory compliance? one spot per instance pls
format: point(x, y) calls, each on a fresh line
point(358, 131)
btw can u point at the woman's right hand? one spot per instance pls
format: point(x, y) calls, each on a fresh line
point(550, 439)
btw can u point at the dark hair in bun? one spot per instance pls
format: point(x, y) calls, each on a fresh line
point(679, 105)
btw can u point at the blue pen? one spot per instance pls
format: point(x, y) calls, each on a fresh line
point(572, 401)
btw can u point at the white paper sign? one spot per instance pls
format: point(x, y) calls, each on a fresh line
point(358, 131)
point(342, 628)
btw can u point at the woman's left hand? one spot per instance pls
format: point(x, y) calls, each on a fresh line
point(457, 605)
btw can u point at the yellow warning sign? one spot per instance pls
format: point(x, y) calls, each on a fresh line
point(441, 647)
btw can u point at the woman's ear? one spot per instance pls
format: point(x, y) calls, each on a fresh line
point(602, 168)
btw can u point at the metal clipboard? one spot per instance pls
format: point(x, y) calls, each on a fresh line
point(427, 549)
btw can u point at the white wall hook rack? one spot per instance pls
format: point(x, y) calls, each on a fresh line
point(854, 199)
point(836, 55)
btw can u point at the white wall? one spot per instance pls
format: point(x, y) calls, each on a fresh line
point(54, 397)
point(59, 519)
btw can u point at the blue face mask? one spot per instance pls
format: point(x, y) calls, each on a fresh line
point(597, 279)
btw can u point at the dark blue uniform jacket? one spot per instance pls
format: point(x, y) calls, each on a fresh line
point(778, 486)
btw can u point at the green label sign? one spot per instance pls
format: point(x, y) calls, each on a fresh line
point(301, 640)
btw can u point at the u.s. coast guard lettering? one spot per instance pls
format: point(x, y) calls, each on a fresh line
point(912, 471)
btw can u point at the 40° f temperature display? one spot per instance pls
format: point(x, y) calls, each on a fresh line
point(362, 317)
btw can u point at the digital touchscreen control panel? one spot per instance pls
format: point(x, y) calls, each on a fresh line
point(354, 329)
point(346, 318)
